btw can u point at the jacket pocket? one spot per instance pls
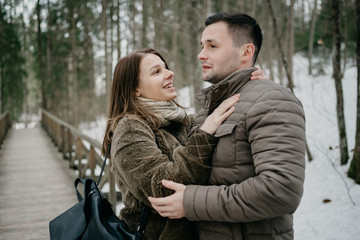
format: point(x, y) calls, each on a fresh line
point(225, 151)
point(225, 129)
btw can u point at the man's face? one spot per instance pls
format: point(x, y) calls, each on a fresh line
point(219, 57)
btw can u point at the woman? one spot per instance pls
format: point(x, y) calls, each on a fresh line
point(148, 135)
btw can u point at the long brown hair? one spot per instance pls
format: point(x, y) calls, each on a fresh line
point(122, 96)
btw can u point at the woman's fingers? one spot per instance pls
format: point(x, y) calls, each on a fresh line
point(225, 108)
point(223, 111)
point(259, 74)
point(227, 104)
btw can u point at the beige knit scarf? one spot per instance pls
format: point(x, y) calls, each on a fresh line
point(166, 111)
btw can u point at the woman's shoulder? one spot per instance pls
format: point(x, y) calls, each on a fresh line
point(131, 122)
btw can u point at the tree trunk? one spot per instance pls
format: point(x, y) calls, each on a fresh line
point(144, 42)
point(280, 48)
point(158, 18)
point(40, 57)
point(354, 170)
point(133, 26)
point(179, 46)
point(107, 63)
point(89, 103)
point(302, 26)
point(73, 81)
point(118, 30)
point(1, 73)
point(337, 75)
point(291, 40)
point(48, 47)
point(175, 48)
point(225, 5)
point(193, 21)
point(112, 32)
point(311, 37)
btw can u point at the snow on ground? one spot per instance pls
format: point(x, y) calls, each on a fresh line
point(325, 178)
point(339, 218)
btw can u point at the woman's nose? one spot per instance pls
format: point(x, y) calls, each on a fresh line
point(169, 74)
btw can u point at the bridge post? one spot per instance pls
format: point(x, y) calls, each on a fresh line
point(58, 137)
point(5, 124)
point(92, 161)
point(79, 156)
point(62, 141)
point(68, 145)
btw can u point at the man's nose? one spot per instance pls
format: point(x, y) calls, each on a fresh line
point(202, 55)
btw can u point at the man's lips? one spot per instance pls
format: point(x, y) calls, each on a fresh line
point(205, 67)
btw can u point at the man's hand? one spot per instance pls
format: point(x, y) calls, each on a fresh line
point(259, 74)
point(170, 206)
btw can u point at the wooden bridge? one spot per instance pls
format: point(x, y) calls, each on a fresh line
point(37, 173)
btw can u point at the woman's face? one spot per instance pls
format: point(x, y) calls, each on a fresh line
point(156, 82)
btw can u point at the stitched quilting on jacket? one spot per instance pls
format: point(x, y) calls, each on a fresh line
point(258, 165)
point(141, 158)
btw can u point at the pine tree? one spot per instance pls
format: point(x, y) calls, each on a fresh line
point(11, 66)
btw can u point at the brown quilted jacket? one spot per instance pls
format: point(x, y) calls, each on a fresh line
point(258, 165)
point(141, 158)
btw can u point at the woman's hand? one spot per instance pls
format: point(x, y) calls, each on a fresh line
point(223, 111)
point(258, 74)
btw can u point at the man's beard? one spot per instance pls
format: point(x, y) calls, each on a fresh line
point(213, 78)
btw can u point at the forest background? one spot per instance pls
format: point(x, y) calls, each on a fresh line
point(60, 55)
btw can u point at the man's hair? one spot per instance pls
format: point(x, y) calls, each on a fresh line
point(242, 28)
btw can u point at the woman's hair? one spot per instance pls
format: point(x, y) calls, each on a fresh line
point(122, 97)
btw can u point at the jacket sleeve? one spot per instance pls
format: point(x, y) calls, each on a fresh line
point(275, 125)
point(142, 165)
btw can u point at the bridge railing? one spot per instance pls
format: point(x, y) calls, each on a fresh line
point(5, 124)
point(82, 151)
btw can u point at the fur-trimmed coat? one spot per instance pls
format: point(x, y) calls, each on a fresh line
point(142, 157)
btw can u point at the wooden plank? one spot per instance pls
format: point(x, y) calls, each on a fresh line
point(36, 185)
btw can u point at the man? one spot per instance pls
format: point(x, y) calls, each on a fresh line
point(257, 176)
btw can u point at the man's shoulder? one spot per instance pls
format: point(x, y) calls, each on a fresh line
point(263, 85)
point(264, 89)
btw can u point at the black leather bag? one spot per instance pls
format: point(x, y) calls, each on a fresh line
point(92, 218)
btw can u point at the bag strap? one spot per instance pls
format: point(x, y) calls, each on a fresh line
point(143, 219)
point(87, 186)
point(104, 164)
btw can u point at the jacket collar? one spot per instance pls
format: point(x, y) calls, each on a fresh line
point(227, 87)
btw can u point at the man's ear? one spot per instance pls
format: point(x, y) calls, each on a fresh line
point(248, 52)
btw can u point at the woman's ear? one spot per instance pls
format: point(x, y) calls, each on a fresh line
point(137, 93)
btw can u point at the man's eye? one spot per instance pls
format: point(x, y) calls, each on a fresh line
point(212, 46)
